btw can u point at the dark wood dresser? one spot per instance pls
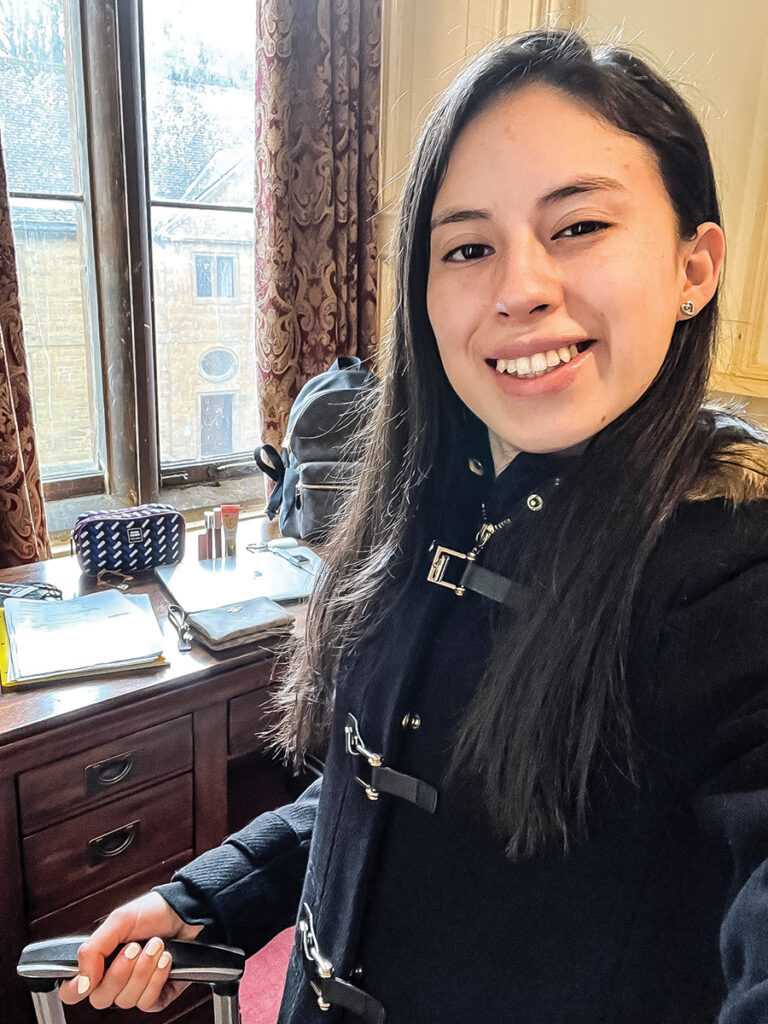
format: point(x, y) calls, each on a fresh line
point(108, 784)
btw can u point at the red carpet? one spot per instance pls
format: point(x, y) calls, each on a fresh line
point(262, 986)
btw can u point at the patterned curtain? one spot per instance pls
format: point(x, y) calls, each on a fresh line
point(23, 533)
point(317, 131)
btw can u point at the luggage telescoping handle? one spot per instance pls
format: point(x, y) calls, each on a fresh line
point(44, 964)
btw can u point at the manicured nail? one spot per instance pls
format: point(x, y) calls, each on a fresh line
point(153, 947)
point(132, 950)
point(83, 984)
point(164, 960)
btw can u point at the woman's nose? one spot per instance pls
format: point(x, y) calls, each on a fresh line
point(528, 281)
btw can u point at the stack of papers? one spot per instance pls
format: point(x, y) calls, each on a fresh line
point(103, 632)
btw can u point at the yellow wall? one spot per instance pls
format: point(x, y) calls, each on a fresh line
point(716, 51)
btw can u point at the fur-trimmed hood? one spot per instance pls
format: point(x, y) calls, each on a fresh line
point(737, 472)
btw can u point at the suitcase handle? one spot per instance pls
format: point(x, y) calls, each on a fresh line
point(44, 964)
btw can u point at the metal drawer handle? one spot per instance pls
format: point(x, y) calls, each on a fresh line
point(110, 772)
point(112, 844)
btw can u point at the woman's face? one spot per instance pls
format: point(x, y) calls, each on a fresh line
point(556, 271)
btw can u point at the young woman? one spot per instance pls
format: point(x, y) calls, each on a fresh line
point(538, 654)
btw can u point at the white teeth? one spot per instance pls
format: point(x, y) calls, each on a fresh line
point(538, 363)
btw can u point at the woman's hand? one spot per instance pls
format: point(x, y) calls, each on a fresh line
point(137, 977)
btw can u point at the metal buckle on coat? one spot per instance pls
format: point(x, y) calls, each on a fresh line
point(313, 958)
point(475, 577)
point(330, 990)
point(440, 563)
point(387, 780)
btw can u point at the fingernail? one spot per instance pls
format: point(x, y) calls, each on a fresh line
point(83, 984)
point(153, 947)
point(132, 950)
point(164, 960)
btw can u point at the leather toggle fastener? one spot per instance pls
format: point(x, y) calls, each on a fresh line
point(387, 780)
point(472, 576)
point(330, 990)
point(468, 575)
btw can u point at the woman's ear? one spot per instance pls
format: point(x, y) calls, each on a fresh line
point(703, 262)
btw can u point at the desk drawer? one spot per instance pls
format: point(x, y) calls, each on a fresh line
point(93, 850)
point(86, 780)
point(248, 718)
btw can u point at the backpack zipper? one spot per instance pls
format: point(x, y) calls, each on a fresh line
point(325, 487)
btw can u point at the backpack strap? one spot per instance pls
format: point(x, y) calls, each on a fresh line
point(269, 462)
point(347, 363)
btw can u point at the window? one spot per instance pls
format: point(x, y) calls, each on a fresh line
point(216, 424)
point(42, 111)
point(102, 288)
point(203, 277)
point(225, 277)
point(199, 127)
point(218, 364)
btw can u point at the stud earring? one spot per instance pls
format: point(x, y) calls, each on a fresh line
point(688, 308)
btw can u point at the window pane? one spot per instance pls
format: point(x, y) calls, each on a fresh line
point(203, 277)
point(37, 106)
point(218, 364)
point(51, 263)
point(225, 277)
point(186, 329)
point(215, 425)
point(200, 105)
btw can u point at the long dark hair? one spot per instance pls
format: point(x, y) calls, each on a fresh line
point(552, 702)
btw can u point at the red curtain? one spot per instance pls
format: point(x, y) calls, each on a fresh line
point(23, 532)
point(317, 133)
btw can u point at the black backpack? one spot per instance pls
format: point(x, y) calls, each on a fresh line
point(318, 468)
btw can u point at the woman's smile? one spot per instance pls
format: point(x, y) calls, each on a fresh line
point(527, 370)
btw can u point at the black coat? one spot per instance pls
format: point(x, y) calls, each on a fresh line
point(637, 909)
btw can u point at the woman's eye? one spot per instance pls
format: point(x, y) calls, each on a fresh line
point(582, 227)
point(470, 251)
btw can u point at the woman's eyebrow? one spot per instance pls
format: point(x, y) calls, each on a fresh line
point(578, 186)
point(456, 216)
point(572, 188)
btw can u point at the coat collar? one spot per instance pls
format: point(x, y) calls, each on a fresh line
point(736, 473)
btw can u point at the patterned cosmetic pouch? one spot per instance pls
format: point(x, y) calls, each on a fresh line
point(128, 540)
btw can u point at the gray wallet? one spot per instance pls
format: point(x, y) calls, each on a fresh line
point(242, 622)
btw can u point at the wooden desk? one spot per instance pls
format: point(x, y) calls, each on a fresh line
point(109, 784)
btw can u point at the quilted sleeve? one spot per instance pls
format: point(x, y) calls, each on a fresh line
point(247, 890)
